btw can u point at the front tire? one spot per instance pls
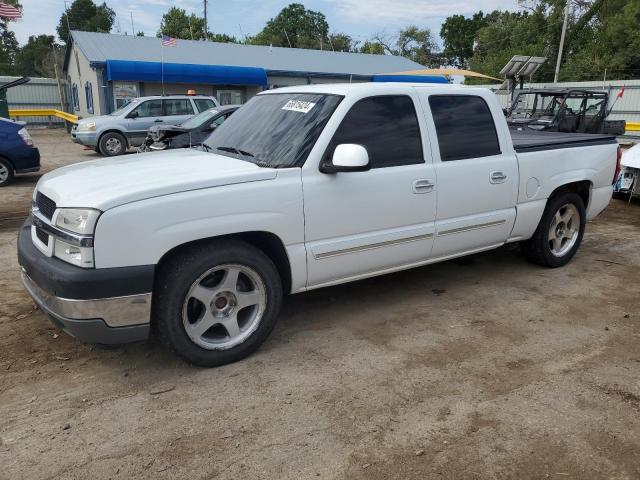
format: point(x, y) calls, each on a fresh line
point(112, 144)
point(560, 232)
point(6, 172)
point(216, 303)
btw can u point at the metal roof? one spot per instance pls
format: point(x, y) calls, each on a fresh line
point(100, 47)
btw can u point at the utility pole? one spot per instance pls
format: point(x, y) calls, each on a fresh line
point(133, 31)
point(567, 10)
point(206, 36)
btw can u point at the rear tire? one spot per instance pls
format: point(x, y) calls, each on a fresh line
point(6, 172)
point(216, 303)
point(112, 144)
point(559, 233)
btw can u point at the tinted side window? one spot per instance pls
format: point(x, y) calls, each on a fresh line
point(465, 127)
point(204, 104)
point(150, 108)
point(178, 107)
point(387, 126)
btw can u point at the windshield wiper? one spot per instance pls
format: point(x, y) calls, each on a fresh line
point(206, 147)
point(237, 151)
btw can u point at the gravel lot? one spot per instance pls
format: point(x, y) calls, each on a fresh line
point(485, 367)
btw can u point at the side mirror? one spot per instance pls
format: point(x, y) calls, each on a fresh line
point(133, 114)
point(347, 157)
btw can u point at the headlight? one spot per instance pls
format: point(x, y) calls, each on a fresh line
point(86, 127)
point(78, 220)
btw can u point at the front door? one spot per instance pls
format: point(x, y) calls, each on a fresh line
point(361, 223)
point(476, 173)
point(141, 118)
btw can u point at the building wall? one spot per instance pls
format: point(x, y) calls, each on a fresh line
point(80, 72)
point(38, 93)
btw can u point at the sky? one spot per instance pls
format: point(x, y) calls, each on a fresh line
point(359, 18)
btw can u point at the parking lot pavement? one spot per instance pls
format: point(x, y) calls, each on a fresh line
point(485, 367)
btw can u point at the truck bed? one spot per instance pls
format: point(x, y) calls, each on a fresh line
point(528, 140)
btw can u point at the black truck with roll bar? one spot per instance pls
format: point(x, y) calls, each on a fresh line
point(569, 110)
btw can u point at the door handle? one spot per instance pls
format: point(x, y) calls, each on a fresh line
point(423, 186)
point(157, 121)
point(497, 177)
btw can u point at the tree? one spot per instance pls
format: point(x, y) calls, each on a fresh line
point(37, 57)
point(8, 44)
point(177, 24)
point(458, 34)
point(372, 47)
point(413, 43)
point(222, 38)
point(87, 16)
point(341, 42)
point(296, 27)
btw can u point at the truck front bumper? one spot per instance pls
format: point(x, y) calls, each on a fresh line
point(102, 306)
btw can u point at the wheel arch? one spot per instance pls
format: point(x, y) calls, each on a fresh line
point(269, 243)
point(8, 160)
point(113, 130)
point(581, 187)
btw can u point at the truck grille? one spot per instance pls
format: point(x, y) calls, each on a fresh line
point(46, 206)
point(42, 236)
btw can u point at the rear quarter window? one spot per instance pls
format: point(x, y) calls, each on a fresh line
point(464, 126)
point(204, 104)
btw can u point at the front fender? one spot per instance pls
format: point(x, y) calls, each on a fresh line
point(142, 232)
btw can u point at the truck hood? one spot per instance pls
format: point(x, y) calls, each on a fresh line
point(107, 183)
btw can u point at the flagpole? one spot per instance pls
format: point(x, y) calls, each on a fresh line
point(162, 65)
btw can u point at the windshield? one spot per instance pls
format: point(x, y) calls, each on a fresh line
point(274, 130)
point(536, 105)
point(199, 119)
point(124, 107)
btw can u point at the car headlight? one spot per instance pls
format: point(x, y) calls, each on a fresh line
point(86, 127)
point(78, 220)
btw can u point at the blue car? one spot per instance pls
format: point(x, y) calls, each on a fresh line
point(17, 152)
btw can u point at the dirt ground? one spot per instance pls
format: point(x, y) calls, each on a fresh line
point(482, 368)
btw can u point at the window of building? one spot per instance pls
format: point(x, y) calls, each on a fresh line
point(88, 93)
point(464, 126)
point(230, 97)
point(75, 98)
point(387, 126)
point(178, 107)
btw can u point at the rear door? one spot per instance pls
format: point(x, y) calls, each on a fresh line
point(176, 110)
point(476, 173)
point(360, 223)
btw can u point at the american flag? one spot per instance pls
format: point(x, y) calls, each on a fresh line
point(9, 12)
point(168, 41)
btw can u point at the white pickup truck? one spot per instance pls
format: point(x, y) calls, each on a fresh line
point(301, 188)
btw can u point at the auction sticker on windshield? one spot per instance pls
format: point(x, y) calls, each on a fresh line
point(299, 106)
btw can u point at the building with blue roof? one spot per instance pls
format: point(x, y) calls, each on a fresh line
point(105, 70)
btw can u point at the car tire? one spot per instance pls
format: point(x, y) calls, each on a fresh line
point(559, 233)
point(112, 144)
point(216, 302)
point(6, 172)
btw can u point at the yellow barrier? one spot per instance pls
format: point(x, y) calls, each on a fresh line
point(42, 112)
point(633, 126)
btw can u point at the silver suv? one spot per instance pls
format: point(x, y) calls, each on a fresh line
point(127, 127)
